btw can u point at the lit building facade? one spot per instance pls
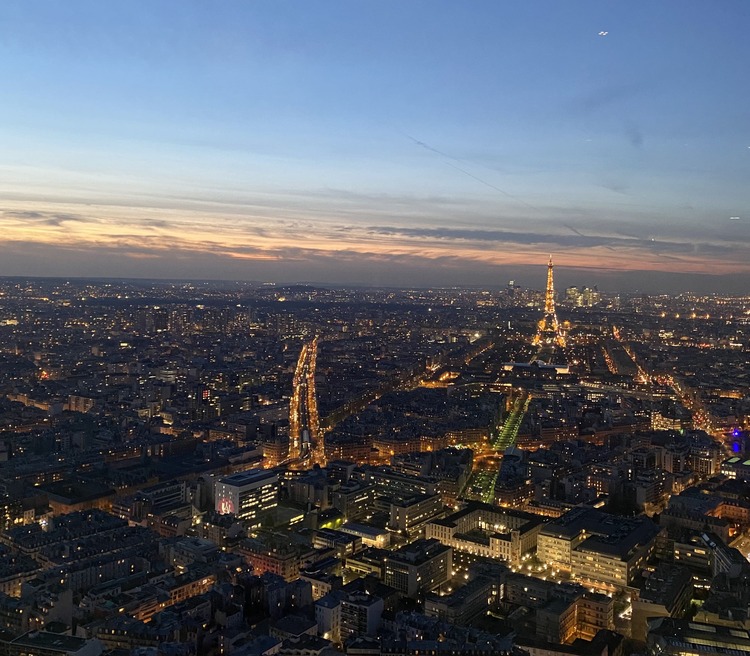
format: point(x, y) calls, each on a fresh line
point(248, 494)
point(506, 534)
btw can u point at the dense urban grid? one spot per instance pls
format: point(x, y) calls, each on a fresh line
point(250, 469)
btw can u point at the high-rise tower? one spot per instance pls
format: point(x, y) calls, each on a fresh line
point(549, 333)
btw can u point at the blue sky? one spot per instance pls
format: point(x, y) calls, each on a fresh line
point(377, 142)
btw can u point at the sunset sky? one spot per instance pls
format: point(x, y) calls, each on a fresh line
point(383, 142)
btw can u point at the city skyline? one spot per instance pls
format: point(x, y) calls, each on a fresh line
point(204, 468)
point(388, 145)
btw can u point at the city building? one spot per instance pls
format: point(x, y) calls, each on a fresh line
point(666, 592)
point(409, 515)
point(483, 530)
point(248, 495)
point(424, 565)
point(594, 546)
point(360, 615)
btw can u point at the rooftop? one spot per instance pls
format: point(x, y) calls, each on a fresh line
point(50, 641)
point(249, 477)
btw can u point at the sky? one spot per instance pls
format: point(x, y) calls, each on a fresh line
point(380, 142)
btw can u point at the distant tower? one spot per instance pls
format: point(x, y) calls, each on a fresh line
point(549, 329)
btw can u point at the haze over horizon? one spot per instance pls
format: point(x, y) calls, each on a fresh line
point(390, 144)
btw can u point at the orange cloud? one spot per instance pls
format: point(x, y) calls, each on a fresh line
point(287, 234)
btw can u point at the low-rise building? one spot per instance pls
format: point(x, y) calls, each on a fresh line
point(371, 536)
point(421, 566)
point(483, 530)
point(463, 604)
point(597, 547)
point(409, 515)
point(271, 554)
point(665, 593)
point(677, 637)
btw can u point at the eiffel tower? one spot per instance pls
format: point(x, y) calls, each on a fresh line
point(549, 333)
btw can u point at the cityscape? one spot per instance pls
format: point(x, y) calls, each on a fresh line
point(251, 469)
point(370, 328)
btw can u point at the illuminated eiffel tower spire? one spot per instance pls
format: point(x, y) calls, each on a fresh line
point(549, 328)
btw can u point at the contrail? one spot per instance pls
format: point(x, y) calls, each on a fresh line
point(446, 157)
point(491, 186)
point(430, 148)
point(578, 232)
